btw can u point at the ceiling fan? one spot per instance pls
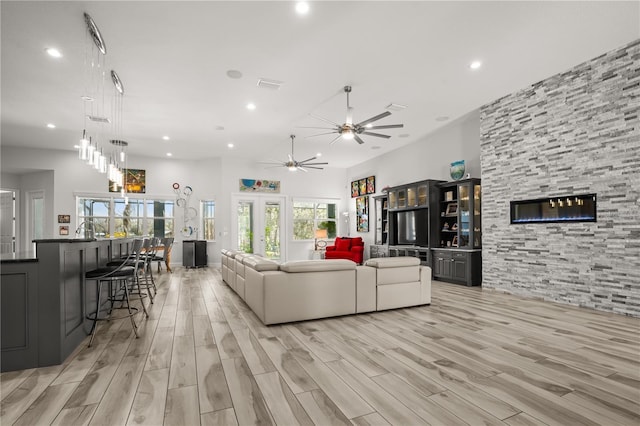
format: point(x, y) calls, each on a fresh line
point(349, 130)
point(294, 165)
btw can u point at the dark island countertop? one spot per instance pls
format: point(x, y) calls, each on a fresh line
point(19, 257)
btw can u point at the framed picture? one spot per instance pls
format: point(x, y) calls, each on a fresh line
point(454, 242)
point(362, 213)
point(452, 209)
point(363, 186)
point(64, 230)
point(355, 189)
point(64, 218)
point(371, 185)
point(135, 181)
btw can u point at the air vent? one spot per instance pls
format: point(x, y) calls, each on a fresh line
point(269, 84)
point(395, 107)
point(98, 119)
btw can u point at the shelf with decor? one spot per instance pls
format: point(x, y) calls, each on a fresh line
point(459, 231)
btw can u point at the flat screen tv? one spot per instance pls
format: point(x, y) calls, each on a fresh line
point(413, 227)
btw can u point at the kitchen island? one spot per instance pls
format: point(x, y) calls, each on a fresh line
point(45, 299)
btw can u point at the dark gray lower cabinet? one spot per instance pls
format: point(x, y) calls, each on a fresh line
point(194, 253)
point(463, 267)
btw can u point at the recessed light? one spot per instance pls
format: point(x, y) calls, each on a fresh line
point(51, 126)
point(251, 106)
point(442, 118)
point(52, 51)
point(302, 7)
point(169, 154)
point(166, 138)
point(319, 154)
point(234, 74)
point(230, 145)
point(219, 127)
point(86, 98)
point(475, 65)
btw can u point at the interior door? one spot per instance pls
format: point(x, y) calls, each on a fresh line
point(258, 225)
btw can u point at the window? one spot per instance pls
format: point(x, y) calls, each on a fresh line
point(207, 212)
point(93, 217)
point(311, 215)
point(112, 216)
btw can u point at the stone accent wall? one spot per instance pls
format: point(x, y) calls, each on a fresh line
point(574, 133)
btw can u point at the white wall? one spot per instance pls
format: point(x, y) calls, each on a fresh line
point(212, 179)
point(429, 158)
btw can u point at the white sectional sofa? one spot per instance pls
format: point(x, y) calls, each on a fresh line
point(310, 289)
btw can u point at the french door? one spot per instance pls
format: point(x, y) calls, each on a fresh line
point(258, 224)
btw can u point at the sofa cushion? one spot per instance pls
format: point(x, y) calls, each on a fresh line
point(260, 264)
point(342, 244)
point(392, 262)
point(317, 265)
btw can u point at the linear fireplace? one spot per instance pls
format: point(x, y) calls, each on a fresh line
point(570, 208)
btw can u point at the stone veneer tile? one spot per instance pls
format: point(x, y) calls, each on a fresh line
point(576, 132)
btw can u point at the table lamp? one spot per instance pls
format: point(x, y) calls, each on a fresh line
point(321, 234)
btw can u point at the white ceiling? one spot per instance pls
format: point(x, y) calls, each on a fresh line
point(173, 57)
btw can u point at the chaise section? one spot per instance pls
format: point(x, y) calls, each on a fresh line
point(400, 282)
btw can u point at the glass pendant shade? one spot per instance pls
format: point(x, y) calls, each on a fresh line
point(90, 150)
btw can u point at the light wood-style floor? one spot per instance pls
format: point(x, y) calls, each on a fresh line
point(472, 357)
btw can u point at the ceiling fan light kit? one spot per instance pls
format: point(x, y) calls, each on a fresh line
point(349, 130)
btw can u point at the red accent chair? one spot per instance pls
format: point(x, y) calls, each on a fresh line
point(346, 248)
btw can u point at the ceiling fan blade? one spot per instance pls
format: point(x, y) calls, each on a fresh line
point(358, 139)
point(274, 167)
point(379, 135)
point(324, 119)
point(372, 119)
point(308, 159)
point(312, 164)
point(335, 140)
point(320, 134)
point(301, 168)
point(290, 158)
point(311, 127)
point(312, 167)
point(271, 162)
point(386, 126)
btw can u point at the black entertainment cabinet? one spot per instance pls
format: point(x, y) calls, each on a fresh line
point(438, 222)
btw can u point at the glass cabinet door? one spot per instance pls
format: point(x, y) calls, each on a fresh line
point(422, 195)
point(477, 225)
point(402, 198)
point(463, 215)
point(411, 197)
point(393, 200)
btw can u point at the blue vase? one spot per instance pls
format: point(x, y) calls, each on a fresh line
point(457, 170)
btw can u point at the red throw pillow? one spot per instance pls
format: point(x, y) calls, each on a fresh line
point(343, 244)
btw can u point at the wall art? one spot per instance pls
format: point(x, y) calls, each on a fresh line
point(362, 213)
point(259, 185)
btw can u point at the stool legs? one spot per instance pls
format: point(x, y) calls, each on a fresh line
point(95, 318)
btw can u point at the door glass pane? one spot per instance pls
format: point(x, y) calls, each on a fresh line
point(38, 218)
point(272, 230)
point(245, 226)
point(463, 195)
point(7, 222)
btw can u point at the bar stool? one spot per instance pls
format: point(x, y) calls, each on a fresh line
point(119, 275)
point(167, 244)
point(139, 262)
